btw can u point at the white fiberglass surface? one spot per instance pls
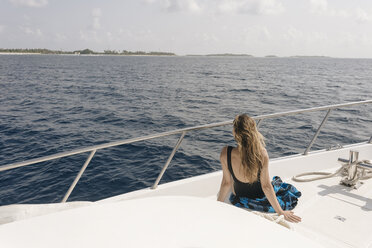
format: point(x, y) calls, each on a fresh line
point(338, 215)
point(332, 214)
point(166, 221)
point(335, 215)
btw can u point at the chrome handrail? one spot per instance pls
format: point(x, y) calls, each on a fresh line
point(317, 132)
point(182, 131)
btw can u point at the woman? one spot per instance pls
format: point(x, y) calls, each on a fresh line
point(246, 173)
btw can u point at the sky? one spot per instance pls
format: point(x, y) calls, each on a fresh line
point(336, 28)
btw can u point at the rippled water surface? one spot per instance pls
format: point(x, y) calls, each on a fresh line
point(51, 104)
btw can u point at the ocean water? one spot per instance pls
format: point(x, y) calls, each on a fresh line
point(51, 104)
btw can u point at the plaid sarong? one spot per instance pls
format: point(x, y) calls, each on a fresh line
point(286, 194)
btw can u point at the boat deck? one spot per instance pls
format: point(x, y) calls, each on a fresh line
point(333, 215)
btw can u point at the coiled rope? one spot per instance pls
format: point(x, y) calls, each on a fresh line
point(361, 173)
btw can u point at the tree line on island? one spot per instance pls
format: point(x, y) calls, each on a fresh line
point(128, 53)
point(83, 52)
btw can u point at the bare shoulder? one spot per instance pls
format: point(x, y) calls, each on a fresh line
point(223, 160)
point(265, 157)
point(223, 154)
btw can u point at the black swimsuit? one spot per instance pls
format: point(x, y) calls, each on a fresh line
point(250, 190)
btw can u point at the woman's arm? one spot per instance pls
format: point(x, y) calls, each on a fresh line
point(226, 182)
point(268, 189)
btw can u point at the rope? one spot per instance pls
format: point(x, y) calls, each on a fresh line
point(360, 174)
point(274, 217)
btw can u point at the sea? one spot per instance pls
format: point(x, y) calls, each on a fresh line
point(54, 103)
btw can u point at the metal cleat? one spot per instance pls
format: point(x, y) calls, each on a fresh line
point(355, 170)
point(352, 176)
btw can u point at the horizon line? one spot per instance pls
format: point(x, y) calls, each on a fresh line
point(124, 52)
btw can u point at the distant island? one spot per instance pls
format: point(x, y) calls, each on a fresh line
point(83, 52)
point(230, 54)
point(305, 56)
point(136, 53)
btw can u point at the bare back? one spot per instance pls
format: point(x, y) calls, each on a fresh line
point(242, 187)
point(237, 166)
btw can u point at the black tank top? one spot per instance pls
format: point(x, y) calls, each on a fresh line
point(250, 190)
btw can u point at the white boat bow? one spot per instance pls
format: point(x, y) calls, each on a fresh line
point(164, 221)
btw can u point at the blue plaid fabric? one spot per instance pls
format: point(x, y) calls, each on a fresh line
point(286, 194)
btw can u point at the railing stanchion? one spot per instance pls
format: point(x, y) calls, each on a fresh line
point(370, 140)
point(78, 176)
point(155, 185)
point(317, 132)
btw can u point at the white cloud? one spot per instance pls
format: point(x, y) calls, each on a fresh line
point(358, 14)
point(193, 6)
point(139, 35)
point(183, 5)
point(272, 7)
point(293, 34)
point(257, 34)
point(30, 3)
point(253, 7)
point(209, 38)
point(319, 6)
point(30, 31)
point(362, 16)
point(178, 5)
point(89, 36)
point(366, 39)
point(109, 36)
point(96, 23)
point(60, 37)
point(96, 13)
point(297, 36)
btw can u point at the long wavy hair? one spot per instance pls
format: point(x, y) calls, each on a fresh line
point(251, 145)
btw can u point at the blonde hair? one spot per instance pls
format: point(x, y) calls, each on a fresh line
point(251, 145)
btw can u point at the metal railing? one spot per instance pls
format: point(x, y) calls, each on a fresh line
point(183, 131)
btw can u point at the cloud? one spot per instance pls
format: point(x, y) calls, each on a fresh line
point(177, 5)
point(252, 7)
point(293, 34)
point(183, 5)
point(30, 3)
point(2, 28)
point(298, 38)
point(60, 37)
point(209, 38)
point(256, 36)
point(90, 36)
point(92, 32)
point(30, 31)
point(321, 7)
point(362, 16)
point(96, 13)
point(109, 36)
point(137, 35)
